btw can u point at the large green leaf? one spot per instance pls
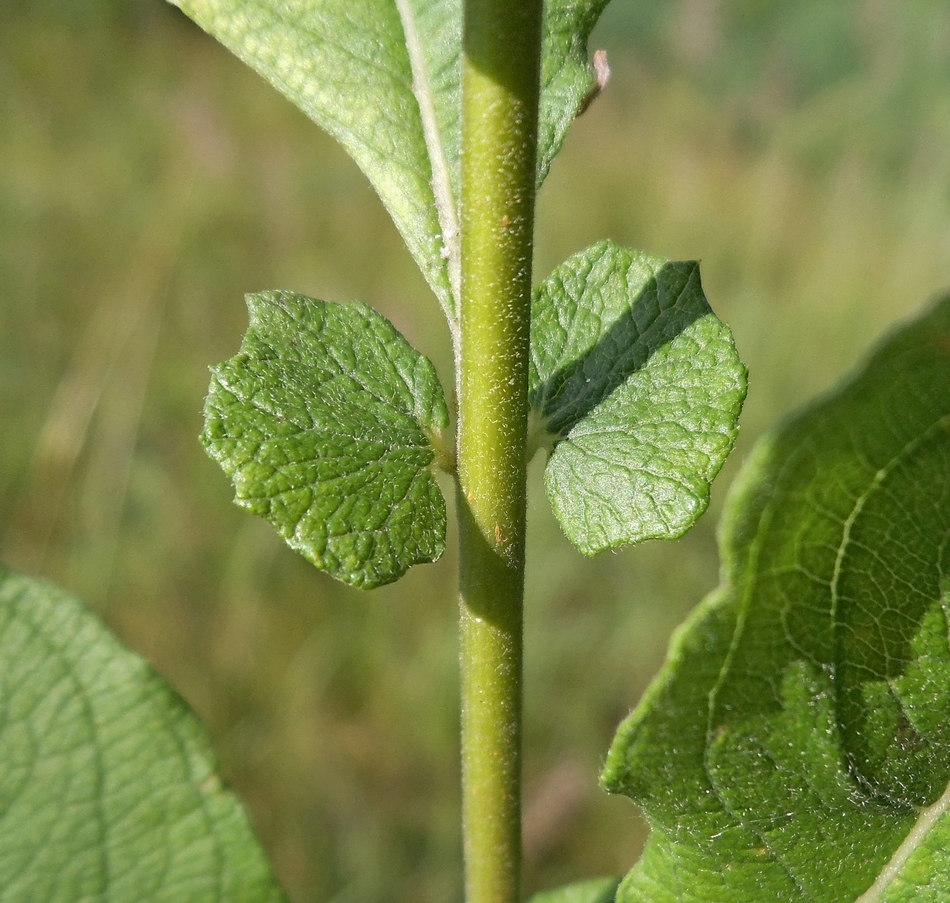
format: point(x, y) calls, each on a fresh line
point(326, 423)
point(108, 790)
point(796, 746)
point(637, 388)
point(383, 77)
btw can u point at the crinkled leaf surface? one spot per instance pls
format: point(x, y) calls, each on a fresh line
point(323, 422)
point(796, 746)
point(383, 77)
point(594, 890)
point(639, 388)
point(108, 790)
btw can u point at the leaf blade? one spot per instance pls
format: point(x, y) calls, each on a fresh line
point(109, 788)
point(639, 387)
point(383, 77)
point(567, 76)
point(346, 65)
point(799, 728)
point(325, 422)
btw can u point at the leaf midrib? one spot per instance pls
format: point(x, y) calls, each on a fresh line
point(441, 181)
point(926, 821)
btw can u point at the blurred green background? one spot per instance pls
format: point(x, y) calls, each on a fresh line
point(148, 180)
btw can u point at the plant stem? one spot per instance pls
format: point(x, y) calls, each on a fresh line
point(499, 148)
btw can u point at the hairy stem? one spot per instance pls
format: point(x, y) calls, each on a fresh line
point(499, 148)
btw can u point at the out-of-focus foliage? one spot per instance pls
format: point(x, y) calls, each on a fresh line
point(148, 181)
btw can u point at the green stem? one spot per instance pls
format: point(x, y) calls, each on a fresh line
point(499, 149)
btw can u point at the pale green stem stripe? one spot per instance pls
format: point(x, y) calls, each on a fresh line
point(499, 148)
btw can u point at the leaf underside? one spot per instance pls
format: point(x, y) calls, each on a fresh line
point(383, 77)
point(323, 422)
point(639, 388)
point(109, 789)
point(796, 746)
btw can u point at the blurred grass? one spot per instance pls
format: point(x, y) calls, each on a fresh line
point(147, 181)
